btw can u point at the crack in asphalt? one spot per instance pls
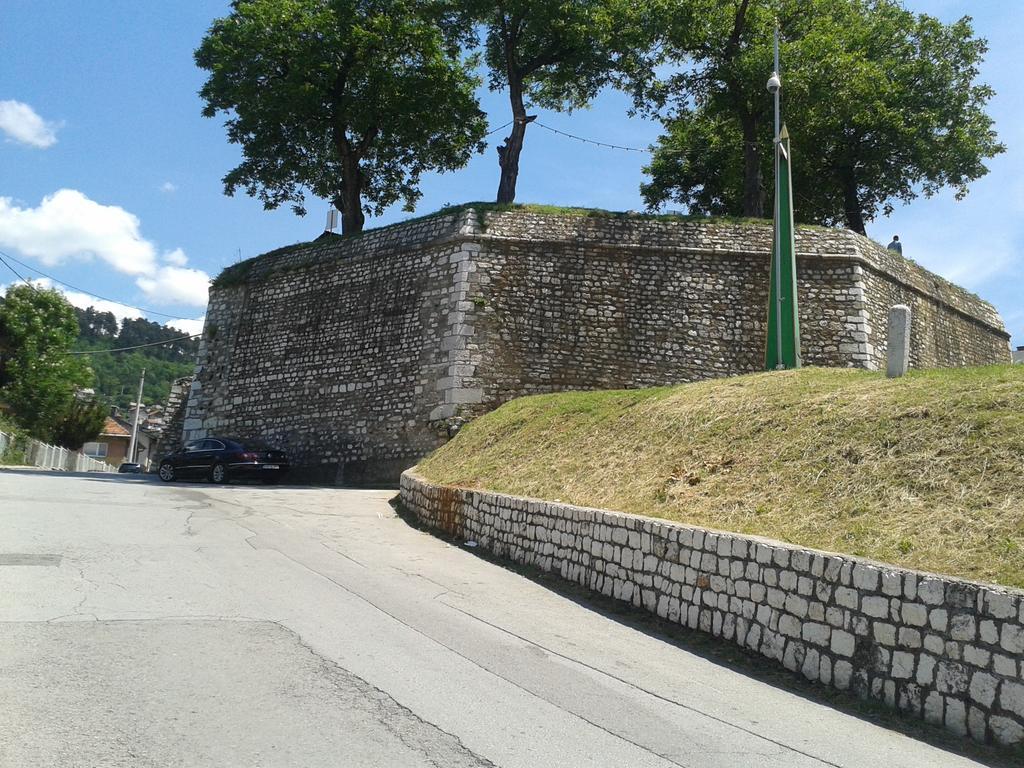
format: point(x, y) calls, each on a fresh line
point(599, 726)
point(413, 731)
point(482, 667)
point(437, 747)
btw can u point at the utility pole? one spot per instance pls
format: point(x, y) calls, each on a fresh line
point(135, 426)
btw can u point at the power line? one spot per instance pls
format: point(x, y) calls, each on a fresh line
point(16, 273)
point(499, 128)
point(137, 346)
point(647, 151)
point(82, 290)
point(591, 141)
point(95, 351)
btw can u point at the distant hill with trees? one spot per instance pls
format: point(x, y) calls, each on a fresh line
point(117, 373)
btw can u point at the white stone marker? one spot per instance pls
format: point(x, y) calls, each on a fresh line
point(899, 341)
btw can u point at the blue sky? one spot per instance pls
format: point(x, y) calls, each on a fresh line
point(130, 171)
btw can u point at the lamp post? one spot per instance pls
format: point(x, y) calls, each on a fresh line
point(782, 349)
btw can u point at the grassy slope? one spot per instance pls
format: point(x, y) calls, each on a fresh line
point(926, 471)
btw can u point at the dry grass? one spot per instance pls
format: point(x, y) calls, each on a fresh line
point(926, 471)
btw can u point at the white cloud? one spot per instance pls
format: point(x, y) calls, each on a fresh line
point(191, 327)
point(21, 123)
point(176, 285)
point(176, 257)
point(68, 224)
point(168, 187)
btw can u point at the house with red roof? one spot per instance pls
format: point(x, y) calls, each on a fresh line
point(113, 442)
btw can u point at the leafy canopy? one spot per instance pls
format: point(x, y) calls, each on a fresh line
point(82, 422)
point(38, 379)
point(554, 54)
point(561, 52)
point(351, 100)
point(882, 104)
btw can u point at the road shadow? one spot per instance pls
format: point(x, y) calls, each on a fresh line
point(153, 479)
point(99, 476)
point(740, 660)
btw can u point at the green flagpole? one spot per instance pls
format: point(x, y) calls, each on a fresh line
point(782, 348)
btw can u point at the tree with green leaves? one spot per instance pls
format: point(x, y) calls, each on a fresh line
point(38, 379)
point(81, 423)
point(351, 100)
point(883, 106)
point(552, 54)
point(94, 324)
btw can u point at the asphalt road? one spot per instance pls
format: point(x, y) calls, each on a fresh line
point(191, 625)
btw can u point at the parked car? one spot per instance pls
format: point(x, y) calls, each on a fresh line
point(221, 459)
point(130, 467)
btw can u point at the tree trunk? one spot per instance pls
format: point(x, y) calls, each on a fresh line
point(349, 198)
point(508, 153)
point(753, 187)
point(349, 202)
point(852, 208)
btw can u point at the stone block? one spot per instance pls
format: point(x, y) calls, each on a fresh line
point(1011, 698)
point(442, 412)
point(884, 633)
point(1000, 605)
point(1005, 730)
point(977, 723)
point(898, 341)
point(892, 583)
point(983, 688)
point(847, 598)
point(978, 657)
point(819, 634)
point(902, 665)
point(914, 614)
point(956, 716)
point(1004, 665)
point(951, 677)
point(464, 396)
point(931, 591)
point(811, 665)
point(877, 607)
point(934, 706)
point(842, 643)
point(796, 606)
point(1012, 638)
point(963, 628)
point(842, 672)
point(866, 577)
point(926, 670)
point(789, 626)
point(989, 632)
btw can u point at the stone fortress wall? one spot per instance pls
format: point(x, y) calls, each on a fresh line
point(360, 355)
point(174, 414)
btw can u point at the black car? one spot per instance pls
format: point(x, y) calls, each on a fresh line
point(222, 459)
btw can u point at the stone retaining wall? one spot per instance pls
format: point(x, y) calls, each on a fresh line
point(942, 649)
